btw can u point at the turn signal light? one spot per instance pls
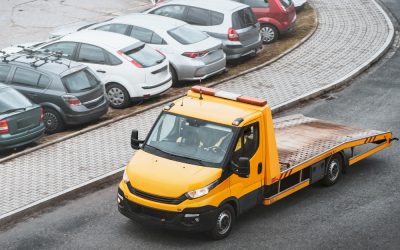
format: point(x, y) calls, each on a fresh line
point(4, 127)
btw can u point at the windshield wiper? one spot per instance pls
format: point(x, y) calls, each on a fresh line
point(12, 110)
point(200, 162)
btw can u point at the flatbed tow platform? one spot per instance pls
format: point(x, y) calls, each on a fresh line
point(305, 143)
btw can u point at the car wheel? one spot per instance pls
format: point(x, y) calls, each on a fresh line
point(269, 33)
point(118, 96)
point(174, 75)
point(333, 170)
point(223, 223)
point(52, 121)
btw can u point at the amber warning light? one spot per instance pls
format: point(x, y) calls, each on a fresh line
point(229, 96)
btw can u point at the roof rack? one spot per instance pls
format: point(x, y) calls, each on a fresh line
point(42, 56)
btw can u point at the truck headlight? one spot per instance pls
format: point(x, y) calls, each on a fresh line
point(125, 177)
point(201, 191)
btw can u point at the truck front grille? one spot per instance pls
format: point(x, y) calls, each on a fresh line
point(156, 198)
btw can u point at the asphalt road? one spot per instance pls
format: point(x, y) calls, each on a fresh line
point(361, 211)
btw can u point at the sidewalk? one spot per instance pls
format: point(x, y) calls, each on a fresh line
point(351, 34)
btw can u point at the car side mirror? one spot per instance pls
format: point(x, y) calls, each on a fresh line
point(135, 142)
point(242, 169)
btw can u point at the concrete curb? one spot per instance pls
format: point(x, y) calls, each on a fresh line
point(116, 174)
point(164, 101)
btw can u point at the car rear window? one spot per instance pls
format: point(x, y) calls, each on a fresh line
point(12, 99)
point(186, 34)
point(146, 56)
point(82, 80)
point(243, 18)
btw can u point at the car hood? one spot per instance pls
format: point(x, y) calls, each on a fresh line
point(68, 29)
point(163, 177)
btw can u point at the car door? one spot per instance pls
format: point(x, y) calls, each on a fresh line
point(119, 28)
point(30, 83)
point(98, 60)
point(174, 11)
point(260, 8)
point(4, 72)
point(249, 144)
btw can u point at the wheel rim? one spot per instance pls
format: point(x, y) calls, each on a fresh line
point(267, 34)
point(224, 222)
point(50, 121)
point(333, 170)
point(116, 96)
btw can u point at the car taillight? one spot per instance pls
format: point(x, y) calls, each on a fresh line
point(131, 60)
point(71, 100)
point(195, 54)
point(4, 127)
point(233, 35)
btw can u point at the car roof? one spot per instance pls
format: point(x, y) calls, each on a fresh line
point(150, 21)
point(215, 5)
point(101, 38)
point(58, 66)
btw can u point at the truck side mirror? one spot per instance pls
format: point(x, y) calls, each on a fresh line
point(242, 169)
point(135, 142)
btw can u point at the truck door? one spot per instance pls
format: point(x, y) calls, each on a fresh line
point(249, 144)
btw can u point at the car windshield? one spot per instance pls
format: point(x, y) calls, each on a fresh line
point(82, 80)
point(187, 35)
point(10, 100)
point(190, 140)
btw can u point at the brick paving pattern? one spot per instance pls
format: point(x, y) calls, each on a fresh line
point(350, 32)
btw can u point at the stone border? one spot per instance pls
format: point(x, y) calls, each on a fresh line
point(161, 102)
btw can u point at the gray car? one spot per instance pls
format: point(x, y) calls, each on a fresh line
point(233, 23)
point(69, 92)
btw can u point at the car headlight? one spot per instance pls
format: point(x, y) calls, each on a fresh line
point(201, 191)
point(125, 177)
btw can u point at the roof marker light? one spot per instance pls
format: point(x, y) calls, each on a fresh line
point(237, 121)
point(230, 96)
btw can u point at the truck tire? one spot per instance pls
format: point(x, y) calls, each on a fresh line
point(223, 222)
point(53, 121)
point(118, 96)
point(334, 169)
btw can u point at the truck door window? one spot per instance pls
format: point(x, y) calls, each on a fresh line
point(247, 143)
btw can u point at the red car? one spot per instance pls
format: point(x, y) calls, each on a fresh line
point(275, 16)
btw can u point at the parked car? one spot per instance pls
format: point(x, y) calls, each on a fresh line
point(21, 121)
point(130, 70)
point(276, 17)
point(299, 4)
point(233, 23)
point(193, 54)
point(69, 92)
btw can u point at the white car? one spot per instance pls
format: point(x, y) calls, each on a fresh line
point(299, 3)
point(130, 69)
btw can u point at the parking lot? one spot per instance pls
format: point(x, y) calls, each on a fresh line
point(339, 49)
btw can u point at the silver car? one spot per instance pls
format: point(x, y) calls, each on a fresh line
point(193, 54)
point(233, 23)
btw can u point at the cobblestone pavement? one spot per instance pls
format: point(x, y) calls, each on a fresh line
point(349, 34)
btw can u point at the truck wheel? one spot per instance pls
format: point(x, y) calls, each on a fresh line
point(334, 168)
point(52, 121)
point(223, 222)
point(269, 33)
point(118, 96)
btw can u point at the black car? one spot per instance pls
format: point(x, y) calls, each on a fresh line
point(21, 121)
point(69, 92)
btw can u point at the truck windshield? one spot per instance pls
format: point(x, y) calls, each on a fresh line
point(190, 140)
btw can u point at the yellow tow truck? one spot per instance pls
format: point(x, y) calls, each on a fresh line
point(211, 155)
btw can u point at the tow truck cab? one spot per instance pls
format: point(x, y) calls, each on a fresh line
point(212, 155)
